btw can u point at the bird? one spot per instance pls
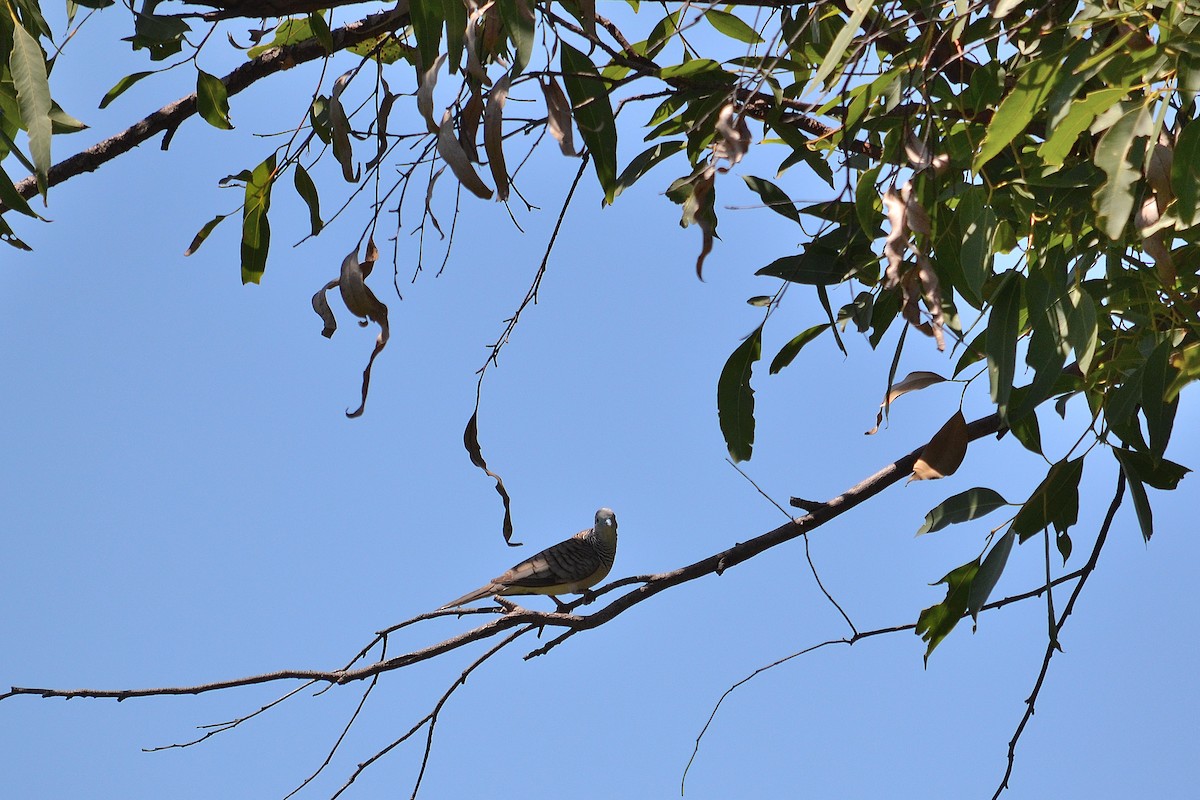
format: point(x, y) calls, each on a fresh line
point(571, 566)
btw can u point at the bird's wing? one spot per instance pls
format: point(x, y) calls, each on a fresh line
point(566, 562)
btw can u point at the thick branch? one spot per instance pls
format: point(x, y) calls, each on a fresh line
point(172, 115)
point(653, 584)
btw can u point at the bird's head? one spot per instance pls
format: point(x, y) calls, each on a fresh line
point(605, 518)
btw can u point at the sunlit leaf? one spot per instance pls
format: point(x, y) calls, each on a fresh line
point(912, 382)
point(944, 452)
point(256, 229)
point(1017, 109)
point(732, 26)
point(1121, 161)
point(203, 233)
point(212, 100)
point(27, 64)
point(962, 507)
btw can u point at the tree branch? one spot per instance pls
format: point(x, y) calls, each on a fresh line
point(172, 115)
point(515, 616)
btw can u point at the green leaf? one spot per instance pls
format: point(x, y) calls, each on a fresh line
point(1159, 414)
point(735, 397)
point(858, 12)
point(1082, 328)
point(1001, 343)
point(1161, 474)
point(1018, 108)
point(773, 197)
point(593, 115)
point(1141, 506)
point(28, 67)
point(119, 88)
point(320, 29)
point(1083, 112)
point(308, 192)
point(937, 621)
point(978, 224)
point(289, 31)
point(256, 229)
point(427, 19)
point(1185, 175)
point(828, 259)
point(962, 507)
point(11, 198)
point(203, 233)
point(732, 26)
point(789, 351)
point(518, 20)
point(1121, 162)
point(988, 574)
point(1054, 502)
point(645, 161)
point(867, 205)
point(212, 100)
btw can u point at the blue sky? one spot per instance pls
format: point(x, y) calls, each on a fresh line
point(185, 501)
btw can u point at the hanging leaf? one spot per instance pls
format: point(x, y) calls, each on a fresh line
point(203, 233)
point(212, 100)
point(121, 86)
point(256, 228)
point(945, 451)
point(735, 397)
point(493, 135)
point(1001, 345)
point(1121, 161)
point(1185, 175)
point(773, 197)
point(988, 575)
point(1016, 111)
point(1054, 502)
point(937, 621)
point(1159, 414)
point(308, 192)
point(27, 64)
point(340, 129)
point(1161, 474)
point(645, 161)
point(912, 382)
point(558, 122)
point(962, 507)
point(454, 156)
point(593, 114)
point(471, 442)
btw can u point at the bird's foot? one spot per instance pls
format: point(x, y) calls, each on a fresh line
point(588, 598)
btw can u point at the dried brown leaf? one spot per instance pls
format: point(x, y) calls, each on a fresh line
point(558, 115)
point(912, 382)
point(452, 153)
point(493, 135)
point(945, 451)
point(426, 81)
point(704, 186)
point(733, 137)
point(474, 65)
point(320, 304)
point(468, 124)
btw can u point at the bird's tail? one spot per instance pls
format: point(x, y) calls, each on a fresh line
point(470, 597)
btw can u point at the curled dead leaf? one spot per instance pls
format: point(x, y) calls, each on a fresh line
point(945, 451)
point(426, 81)
point(361, 302)
point(474, 65)
point(733, 137)
point(912, 382)
point(468, 124)
point(919, 157)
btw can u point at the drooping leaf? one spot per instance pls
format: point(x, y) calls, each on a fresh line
point(988, 575)
point(789, 351)
point(1054, 502)
point(256, 228)
point(1159, 414)
point(593, 115)
point(339, 125)
point(1001, 344)
point(735, 397)
point(212, 100)
point(493, 135)
point(456, 158)
point(938, 620)
point(858, 12)
point(1141, 505)
point(1185, 175)
point(308, 192)
point(978, 223)
point(558, 123)
point(962, 507)
point(1120, 159)
point(427, 19)
point(1081, 115)
point(27, 64)
point(944, 452)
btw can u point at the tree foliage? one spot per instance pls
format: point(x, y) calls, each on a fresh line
point(1016, 184)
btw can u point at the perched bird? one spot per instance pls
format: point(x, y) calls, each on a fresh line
point(571, 566)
